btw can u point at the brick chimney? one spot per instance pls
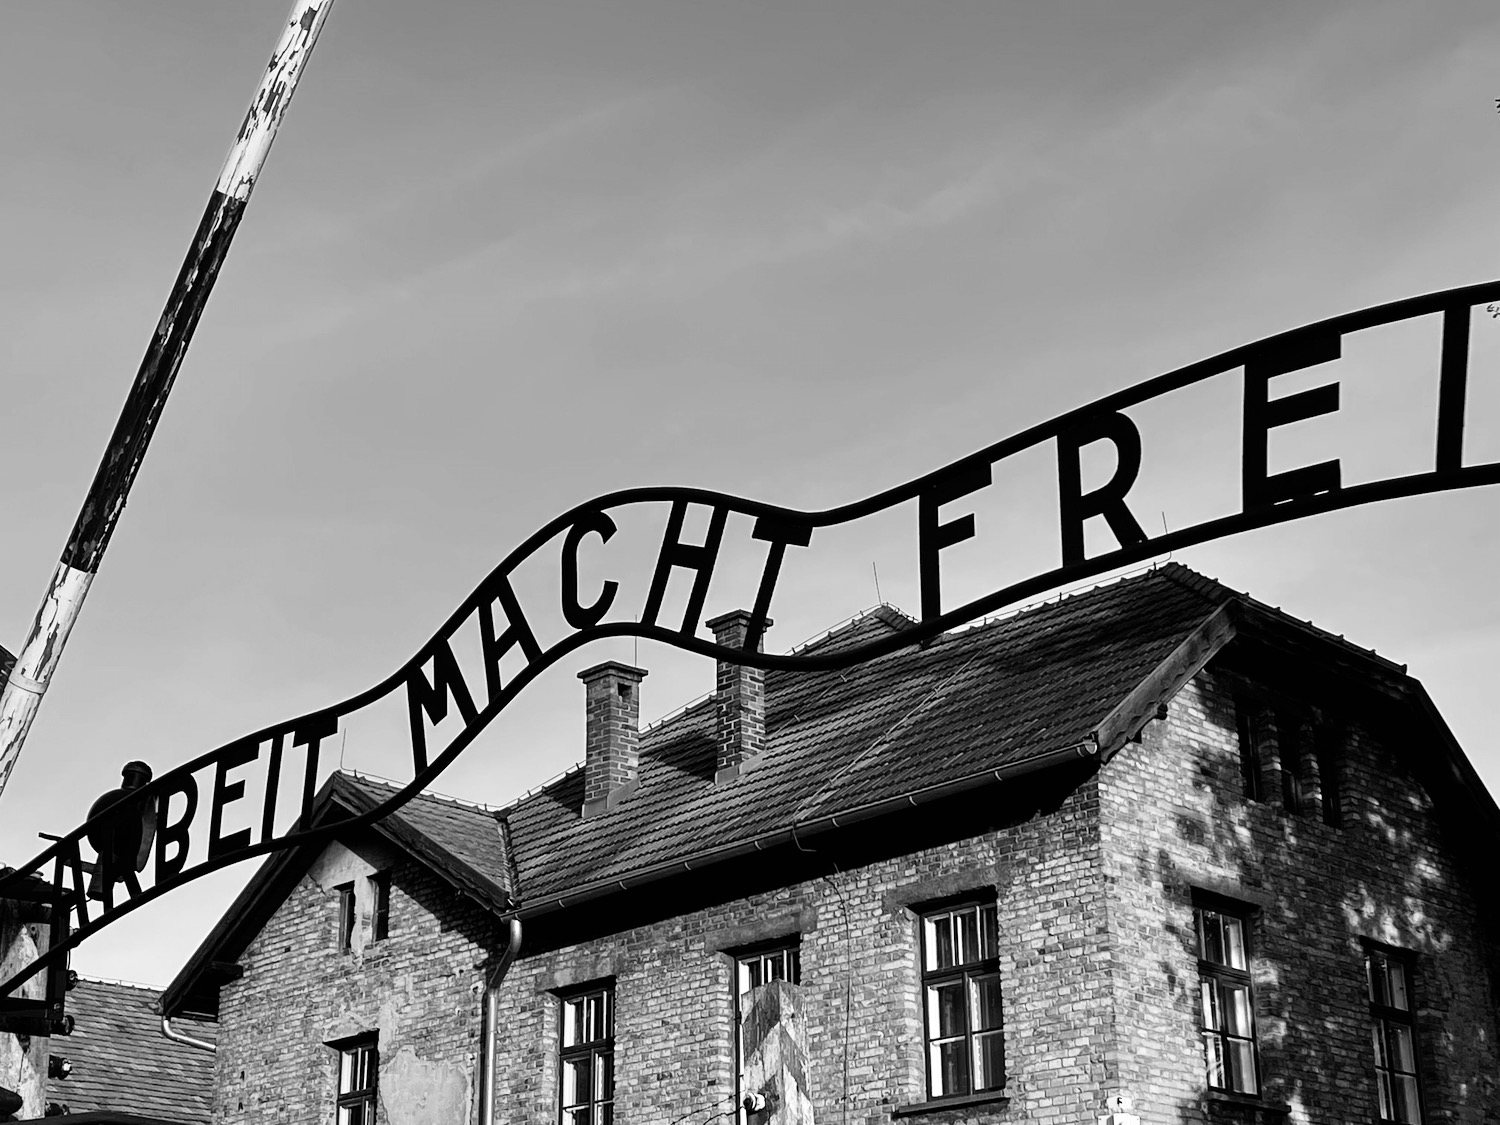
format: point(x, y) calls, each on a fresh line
point(740, 695)
point(612, 759)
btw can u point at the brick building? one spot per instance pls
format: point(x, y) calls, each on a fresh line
point(1155, 842)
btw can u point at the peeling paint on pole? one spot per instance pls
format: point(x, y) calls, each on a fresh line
point(269, 106)
point(33, 668)
point(153, 382)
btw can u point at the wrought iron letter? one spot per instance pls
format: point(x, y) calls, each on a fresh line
point(433, 698)
point(69, 859)
point(932, 536)
point(1075, 506)
point(174, 833)
point(225, 791)
point(1263, 414)
point(517, 632)
point(310, 733)
point(109, 873)
point(1452, 389)
point(781, 534)
point(273, 782)
point(579, 616)
point(697, 558)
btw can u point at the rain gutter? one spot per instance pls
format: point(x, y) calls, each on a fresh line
point(798, 832)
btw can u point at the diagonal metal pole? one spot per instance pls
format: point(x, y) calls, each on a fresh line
point(174, 331)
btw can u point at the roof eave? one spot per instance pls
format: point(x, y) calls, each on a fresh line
point(1143, 702)
point(248, 908)
point(1377, 674)
point(796, 833)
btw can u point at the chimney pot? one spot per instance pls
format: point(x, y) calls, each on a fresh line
point(611, 764)
point(740, 729)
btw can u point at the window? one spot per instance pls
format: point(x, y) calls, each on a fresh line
point(588, 1057)
point(347, 916)
point(1227, 1000)
point(1293, 783)
point(380, 916)
point(961, 1001)
point(359, 1065)
point(1250, 756)
point(753, 968)
point(1328, 745)
point(1394, 1034)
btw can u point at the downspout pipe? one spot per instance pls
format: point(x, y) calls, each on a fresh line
point(487, 1045)
point(178, 1037)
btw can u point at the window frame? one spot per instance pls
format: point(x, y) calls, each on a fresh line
point(380, 906)
point(348, 916)
point(1382, 1017)
point(363, 1049)
point(1289, 748)
point(593, 1050)
point(1222, 976)
point(984, 967)
point(790, 947)
point(1330, 741)
point(1251, 745)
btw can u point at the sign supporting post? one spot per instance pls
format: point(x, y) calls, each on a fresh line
point(79, 563)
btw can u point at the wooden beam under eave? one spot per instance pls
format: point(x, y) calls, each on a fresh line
point(1142, 703)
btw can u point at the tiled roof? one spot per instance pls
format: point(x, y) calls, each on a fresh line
point(974, 701)
point(122, 1062)
point(988, 697)
point(462, 840)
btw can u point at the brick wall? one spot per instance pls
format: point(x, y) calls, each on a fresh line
point(1097, 952)
point(674, 1031)
point(420, 989)
point(1175, 817)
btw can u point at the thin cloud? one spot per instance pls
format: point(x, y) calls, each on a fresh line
point(551, 140)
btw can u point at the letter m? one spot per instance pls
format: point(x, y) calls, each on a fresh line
point(430, 698)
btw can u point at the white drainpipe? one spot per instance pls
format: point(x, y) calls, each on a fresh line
point(491, 1022)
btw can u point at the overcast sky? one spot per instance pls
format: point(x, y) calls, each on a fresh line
point(508, 256)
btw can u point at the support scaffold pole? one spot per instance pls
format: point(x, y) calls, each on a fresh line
point(39, 654)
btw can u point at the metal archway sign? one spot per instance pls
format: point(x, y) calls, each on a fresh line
point(193, 802)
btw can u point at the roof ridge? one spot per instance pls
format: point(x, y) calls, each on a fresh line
point(139, 985)
point(501, 811)
point(675, 713)
point(1196, 581)
point(882, 612)
point(1055, 598)
point(430, 794)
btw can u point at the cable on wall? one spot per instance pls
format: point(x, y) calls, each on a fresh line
point(848, 980)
